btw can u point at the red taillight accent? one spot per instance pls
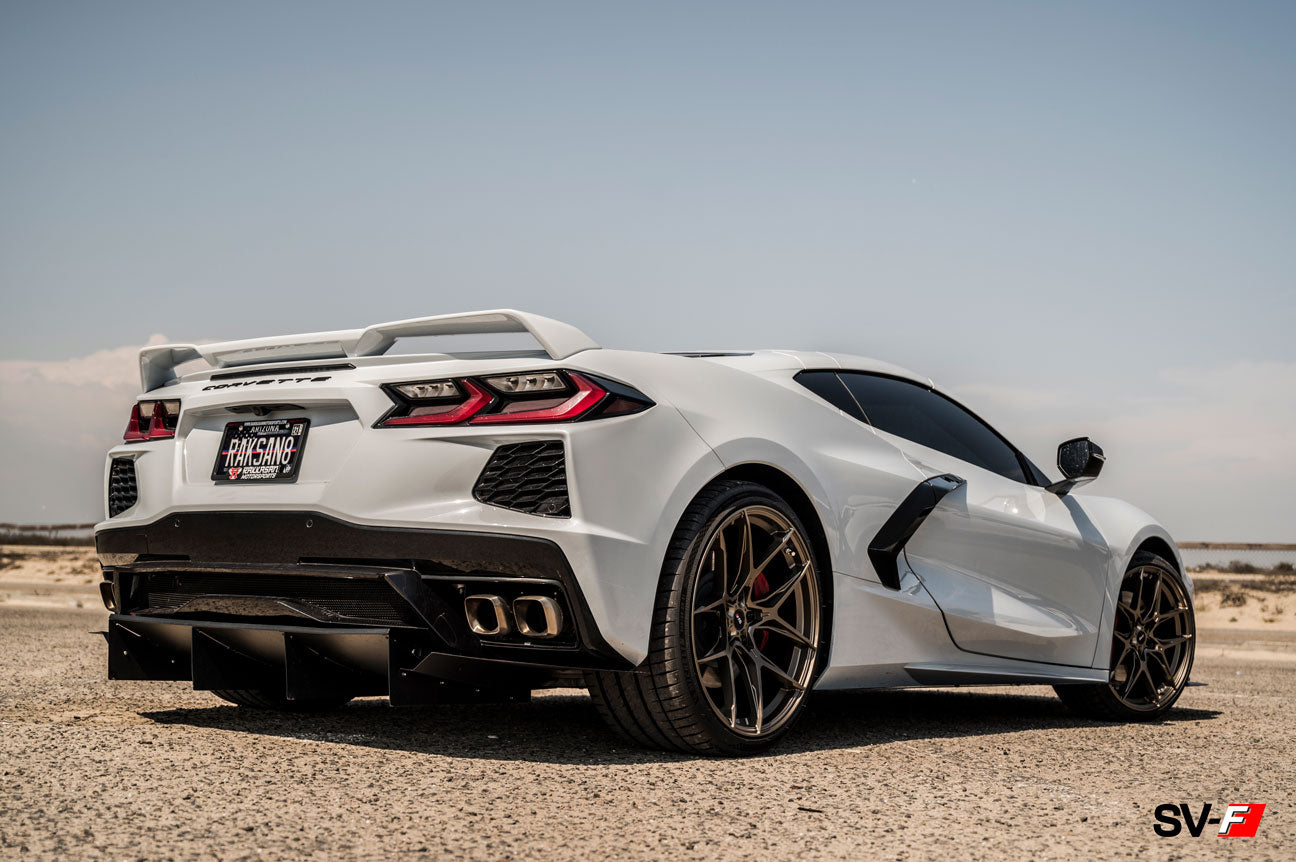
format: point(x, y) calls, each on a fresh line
point(154, 426)
point(477, 400)
point(157, 429)
point(584, 396)
point(587, 394)
point(133, 433)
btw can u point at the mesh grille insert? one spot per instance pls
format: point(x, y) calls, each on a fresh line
point(527, 477)
point(122, 490)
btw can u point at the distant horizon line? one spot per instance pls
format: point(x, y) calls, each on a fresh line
point(1183, 546)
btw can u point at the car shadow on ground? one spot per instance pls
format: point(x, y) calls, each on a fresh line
point(563, 727)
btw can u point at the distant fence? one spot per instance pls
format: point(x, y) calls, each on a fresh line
point(46, 534)
point(1244, 557)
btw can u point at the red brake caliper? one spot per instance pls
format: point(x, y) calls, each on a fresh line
point(760, 588)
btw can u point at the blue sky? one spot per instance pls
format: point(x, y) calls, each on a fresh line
point(1085, 206)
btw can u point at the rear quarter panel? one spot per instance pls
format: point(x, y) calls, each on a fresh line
point(853, 477)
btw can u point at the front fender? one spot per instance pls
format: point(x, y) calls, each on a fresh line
point(1125, 528)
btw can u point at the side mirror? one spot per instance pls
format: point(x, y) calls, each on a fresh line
point(1080, 460)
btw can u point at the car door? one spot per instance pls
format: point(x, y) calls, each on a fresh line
point(1017, 571)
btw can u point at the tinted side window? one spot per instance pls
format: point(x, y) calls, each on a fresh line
point(830, 388)
point(931, 420)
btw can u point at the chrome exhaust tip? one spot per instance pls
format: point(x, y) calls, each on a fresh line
point(487, 615)
point(538, 617)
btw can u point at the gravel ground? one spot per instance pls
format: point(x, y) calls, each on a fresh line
point(153, 770)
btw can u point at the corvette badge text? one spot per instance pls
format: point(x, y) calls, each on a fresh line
point(1238, 821)
point(266, 382)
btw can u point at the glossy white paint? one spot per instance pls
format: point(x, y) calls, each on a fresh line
point(1023, 580)
point(1018, 572)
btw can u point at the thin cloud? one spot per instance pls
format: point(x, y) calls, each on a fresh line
point(116, 367)
point(1209, 450)
point(57, 420)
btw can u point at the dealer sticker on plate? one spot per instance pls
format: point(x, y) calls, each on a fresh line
point(261, 450)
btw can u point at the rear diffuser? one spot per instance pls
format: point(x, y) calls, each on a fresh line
point(305, 662)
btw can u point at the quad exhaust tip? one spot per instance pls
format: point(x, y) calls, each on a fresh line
point(488, 616)
point(536, 617)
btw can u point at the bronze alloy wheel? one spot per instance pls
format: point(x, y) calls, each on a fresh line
point(1152, 644)
point(755, 620)
point(739, 629)
point(1153, 639)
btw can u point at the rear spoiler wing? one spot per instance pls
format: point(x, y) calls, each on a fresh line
point(559, 340)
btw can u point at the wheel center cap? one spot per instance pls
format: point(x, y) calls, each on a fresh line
point(739, 619)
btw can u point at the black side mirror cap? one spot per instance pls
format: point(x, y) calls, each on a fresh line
point(1080, 461)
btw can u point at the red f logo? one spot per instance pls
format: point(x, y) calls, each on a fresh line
point(1241, 821)
point(234, 471)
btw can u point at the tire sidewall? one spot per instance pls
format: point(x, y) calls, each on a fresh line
point(1146, 559)
point(676, 617)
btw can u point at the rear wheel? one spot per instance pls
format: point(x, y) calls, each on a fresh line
point(737, 631)
point(1153, 642)
point(261, 699)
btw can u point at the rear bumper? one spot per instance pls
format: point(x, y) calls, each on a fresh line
point(628, 480)
point(215, 597)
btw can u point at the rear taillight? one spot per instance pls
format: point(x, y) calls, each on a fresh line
point(445, 410)
point(152, 420)
point(529, 398)
point(570, 406)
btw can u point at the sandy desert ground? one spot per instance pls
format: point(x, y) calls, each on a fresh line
point(92, 769)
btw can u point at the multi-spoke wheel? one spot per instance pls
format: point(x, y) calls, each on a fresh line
point(755, 620)
point(737, 634)
point(1152, 647)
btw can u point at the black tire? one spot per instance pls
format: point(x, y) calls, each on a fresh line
point(260, 699)
point(1128, 696)
point(663, 704)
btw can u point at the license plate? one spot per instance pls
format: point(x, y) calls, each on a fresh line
point(261, 450)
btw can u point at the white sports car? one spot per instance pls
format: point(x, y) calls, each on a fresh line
point(701, 539)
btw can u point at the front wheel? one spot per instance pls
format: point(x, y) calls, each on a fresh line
point(737, 631)
point(1153, 641)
